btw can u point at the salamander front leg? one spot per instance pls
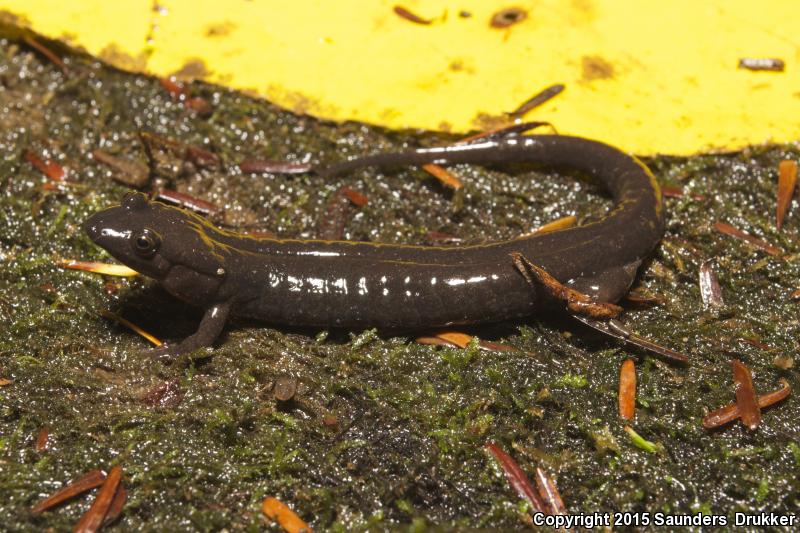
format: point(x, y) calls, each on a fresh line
point(208, 331)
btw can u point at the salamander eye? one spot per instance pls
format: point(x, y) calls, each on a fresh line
point(146, 243)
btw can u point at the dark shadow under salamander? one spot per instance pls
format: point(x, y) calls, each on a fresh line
point(346, 284)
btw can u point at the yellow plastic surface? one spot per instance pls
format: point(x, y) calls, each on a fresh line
point(649, 77)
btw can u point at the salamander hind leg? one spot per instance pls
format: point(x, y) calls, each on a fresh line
point(595, 304)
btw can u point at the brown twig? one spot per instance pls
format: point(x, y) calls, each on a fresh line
point(88, 481)
point(727, 229)
point(729, 413)
point(787, 179)
point(402, 12)
point(538, 99)
point(284, 516)
point(627, 390)
point(46, 52)
point(517, 478)
point(93, 519)
point(746, 401)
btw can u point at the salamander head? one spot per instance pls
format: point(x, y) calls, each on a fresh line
point(151, 237)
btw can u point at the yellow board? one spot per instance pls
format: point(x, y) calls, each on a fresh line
point(650, 77)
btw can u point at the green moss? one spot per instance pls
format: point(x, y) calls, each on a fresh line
point(795, 452)
point(571, 380)
point(382, 433)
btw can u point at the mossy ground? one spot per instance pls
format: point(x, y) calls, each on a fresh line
point(406, 449)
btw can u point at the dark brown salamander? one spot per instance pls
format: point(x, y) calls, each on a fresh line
point(357, 285)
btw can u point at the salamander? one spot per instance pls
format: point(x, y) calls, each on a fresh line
point(356, 285)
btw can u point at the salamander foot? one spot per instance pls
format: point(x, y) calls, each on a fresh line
point(576, 302)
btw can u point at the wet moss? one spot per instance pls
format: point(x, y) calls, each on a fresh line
point(381, 432)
